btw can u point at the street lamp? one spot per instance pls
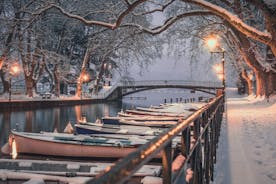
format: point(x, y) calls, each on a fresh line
point(212, 43)
point(14, 71)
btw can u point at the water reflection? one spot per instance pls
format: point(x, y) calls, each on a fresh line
point(52, 118)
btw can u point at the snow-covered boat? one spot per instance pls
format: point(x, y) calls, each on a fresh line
point(57, 144)
point(162, 114)
point(174, 108)
point(61, 168)
point(128, 117)
point(163, 124)
point(94, 128)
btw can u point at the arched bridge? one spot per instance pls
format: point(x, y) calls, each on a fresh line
point(124, 88)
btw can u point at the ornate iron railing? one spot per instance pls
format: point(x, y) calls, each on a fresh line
point(199, 139)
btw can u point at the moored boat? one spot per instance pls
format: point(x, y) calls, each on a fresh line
point(163, 124)
point(93, 128)
point(69, 145)
point(163, 114)
point(128, 117)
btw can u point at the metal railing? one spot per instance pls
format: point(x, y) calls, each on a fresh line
point(199, 138)
point(171, 83)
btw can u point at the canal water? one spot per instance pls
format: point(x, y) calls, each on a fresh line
point(49, 119)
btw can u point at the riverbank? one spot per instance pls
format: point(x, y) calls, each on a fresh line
point(23, 102)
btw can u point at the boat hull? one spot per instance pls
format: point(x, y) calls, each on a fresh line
point(42, 147)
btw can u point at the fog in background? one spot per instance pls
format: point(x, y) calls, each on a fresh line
point(183, 67)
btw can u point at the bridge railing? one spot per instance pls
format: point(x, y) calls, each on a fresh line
point(171, 82)
point(152, 83)
point(199, 138)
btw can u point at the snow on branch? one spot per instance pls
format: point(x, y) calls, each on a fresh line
point(236, 22)
point(160, 9)
point(114, 25)
point(170, 21)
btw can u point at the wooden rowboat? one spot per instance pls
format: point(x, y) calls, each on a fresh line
point(128, 117)
point(50, 171)
point(174, 108)
point(160, 124)
point(69, 145)
point(162, 114)
point(62, 168)
point(93, 128)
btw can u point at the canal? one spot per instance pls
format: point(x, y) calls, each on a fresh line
point(49, 119)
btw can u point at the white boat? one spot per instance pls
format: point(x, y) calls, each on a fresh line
point(163, 124)
point(162, 114)
point(128, 117)
point(94, 128)
point(69, 145)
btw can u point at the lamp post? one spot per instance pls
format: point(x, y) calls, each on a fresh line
point(14, 71)
point(213, 44)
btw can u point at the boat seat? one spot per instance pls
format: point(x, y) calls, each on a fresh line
point(149, 132)
point(73, 166)
point(25, 164)
point(122, 131)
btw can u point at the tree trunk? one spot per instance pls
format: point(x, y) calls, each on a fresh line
point(57, 81)
point(271, 84)
point(5, 83)
point(248, 82)
point(83, 70)
point(263, 84)
point(29, 86)
point(266, 83)
point(99, 77)
point(250, 59)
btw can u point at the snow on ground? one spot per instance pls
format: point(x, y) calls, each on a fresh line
point(247, 147)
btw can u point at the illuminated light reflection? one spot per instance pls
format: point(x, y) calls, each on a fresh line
point(14, 149)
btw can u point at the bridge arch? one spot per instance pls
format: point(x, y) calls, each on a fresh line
point(117, 90)
point(166, 87)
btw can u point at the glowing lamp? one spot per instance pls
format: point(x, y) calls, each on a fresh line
point(15, 69)
point(218, 68)
point(212, 42)
point(85, 77)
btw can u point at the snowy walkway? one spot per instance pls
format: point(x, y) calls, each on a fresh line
point(247, 147)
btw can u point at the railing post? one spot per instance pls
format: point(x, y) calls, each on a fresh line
point(212, 147)
point(185, 141)
point(207, 156)
point(167, 164)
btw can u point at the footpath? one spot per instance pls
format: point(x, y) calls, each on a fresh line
point(247, 148)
